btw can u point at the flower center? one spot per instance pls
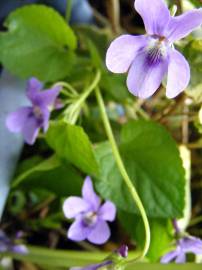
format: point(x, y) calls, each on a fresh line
point(90, 218)
point(158, 38)
point(162, 39)
point(156, 50)
point(37, 112)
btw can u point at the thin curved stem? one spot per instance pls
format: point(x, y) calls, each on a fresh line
point(67, 94)
point(68, 87)
point(73, 110)
point(89, 89)
point(68, 11)
point(124, 173)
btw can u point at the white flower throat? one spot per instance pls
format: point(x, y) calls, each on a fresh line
point(156, 49)
point(90, 218)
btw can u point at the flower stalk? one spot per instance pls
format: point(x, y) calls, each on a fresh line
point(68, 11)
point(124, 173)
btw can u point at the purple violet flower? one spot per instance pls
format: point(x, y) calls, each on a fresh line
point(115, 258)
point(30, 119)
point(185, 245)
point(90, 216)
point(148, 58)
point(7, 245)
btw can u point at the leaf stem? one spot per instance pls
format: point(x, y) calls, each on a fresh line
point(124, 174)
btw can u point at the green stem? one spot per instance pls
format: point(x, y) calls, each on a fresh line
point(74, 113)
point(68, 10)
point(124, 173)
point(90, 88)
point(68, 87)
point(58, 258)
point(66, 94)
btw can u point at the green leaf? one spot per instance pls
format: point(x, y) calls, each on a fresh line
point(161, 233)
point(162, 228)
point(98, 36)
point(196, 3)
point(72, 143)
point(95, 56)
point(38, 43)
point(62, 180)
point(153, 162)
point(51, 175)
point(58, 181)
point(97, 43)
point(115, 86)
point(46, 165)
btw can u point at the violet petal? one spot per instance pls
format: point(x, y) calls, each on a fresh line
point(107, 211)
point(122, 52)
point(30, 130)
point(178, 74)
point(15, 121)
point(47, 97)
point(100, 233)
point(191, 245)
point(89, 194)
point(181, 258)
point(181, 26)
point(34, 86)
point(21, 249)
point(144, 78)
point(4, 242)
point(44, 118)
point(155, 15)
point(78, 231)
point(74, 206)
point(170, 256)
